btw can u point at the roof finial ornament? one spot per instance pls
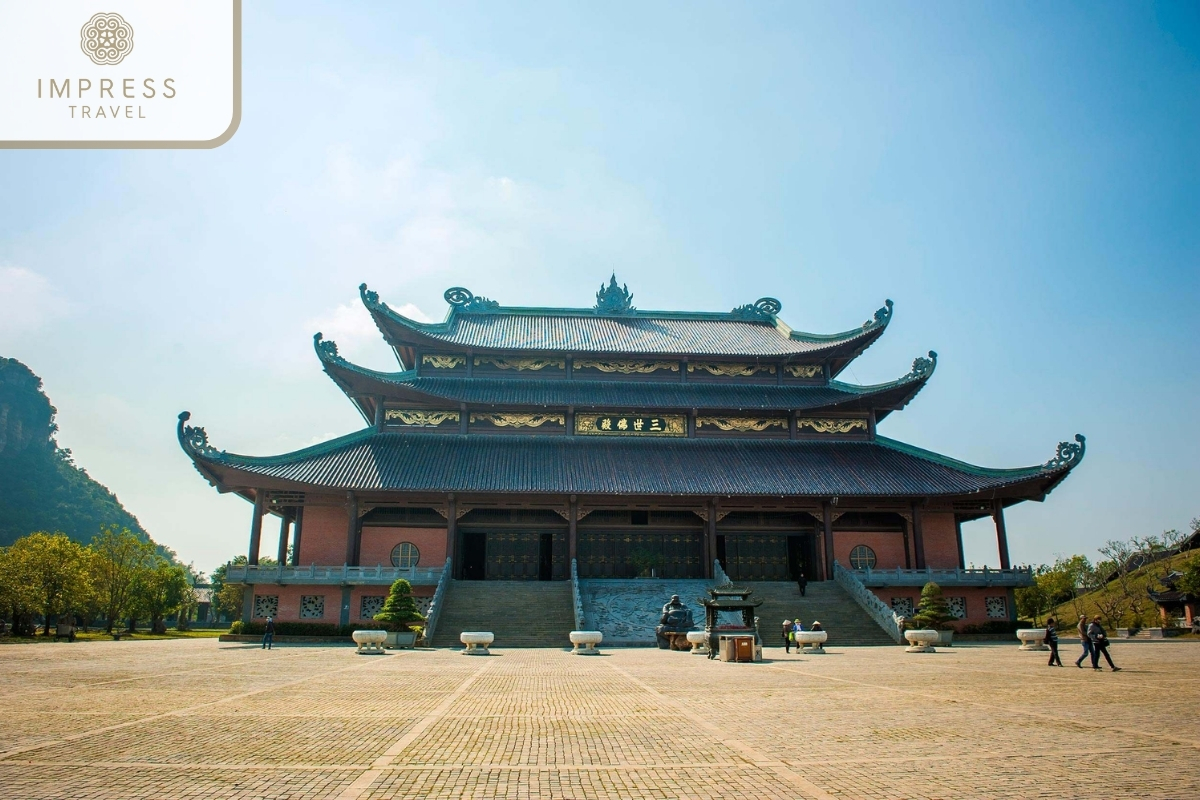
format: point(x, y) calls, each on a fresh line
point(326, 348)
point(194, 439)
point(463, 300)
point(1068, 454)
point(923, 367)
point(614, 299)
point(762, 310)
point(882, 317)
point(370, 299)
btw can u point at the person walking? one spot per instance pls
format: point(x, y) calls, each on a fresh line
point(1087, 642)
point(802, 582)
point(269, 634)
point(1052, 641)
point(1100, 645)
point(787, 636)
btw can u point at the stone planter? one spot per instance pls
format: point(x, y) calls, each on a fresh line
point(945, 638)
point(1032, 639)
point(369, 642)
point(396, 639)
point(477, 642)
point(699, 642)
point(585, 642)
point(812, 641)
point(921, 641)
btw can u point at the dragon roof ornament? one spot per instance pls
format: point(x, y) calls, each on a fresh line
point(922, 366)
point(762, 310)
point(327, 349)
point(466, 302)
point(882, 317)
point(370, 299)
point(1068, 454)
point(614, 300)
point(194, 440)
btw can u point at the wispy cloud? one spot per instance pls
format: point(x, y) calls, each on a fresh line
point(352, 328)
point(27, 301)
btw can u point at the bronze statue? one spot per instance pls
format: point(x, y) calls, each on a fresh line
point(673, 625)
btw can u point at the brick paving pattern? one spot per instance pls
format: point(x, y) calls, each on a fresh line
point(197, 719)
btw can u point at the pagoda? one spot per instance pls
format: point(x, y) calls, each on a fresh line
point(609, 442)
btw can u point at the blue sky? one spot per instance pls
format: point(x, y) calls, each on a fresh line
point(1021, 179)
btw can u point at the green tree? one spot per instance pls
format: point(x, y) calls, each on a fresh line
point(16, 591)
point(399, 609)
point(227, 598)
point(1189, 581)
point(159, 590)
point(119, 559)
point(933, 611)
point(56, 569)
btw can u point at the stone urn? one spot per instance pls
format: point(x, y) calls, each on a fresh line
point(812, 641)
point(921, 640)
point(699, 642)
point(477, 642)
point(585, 642)
point(369, 642)
point(1032, 639)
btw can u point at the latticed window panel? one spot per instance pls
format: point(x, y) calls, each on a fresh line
point(862, 557)
point(371, 605)
point(902, 606)
point(957, 606)
point(312, 606)
point(405, 555)
point(997, 607)
point(423, 604)
point(266, 605)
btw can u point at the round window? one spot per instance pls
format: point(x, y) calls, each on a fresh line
point(405, 555)
point(861, 557)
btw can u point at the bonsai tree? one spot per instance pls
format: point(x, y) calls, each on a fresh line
point(933, 611)
point(400, 610)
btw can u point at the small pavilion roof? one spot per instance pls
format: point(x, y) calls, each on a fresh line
point(413, 462)
point(750, 331)
point(363, 385)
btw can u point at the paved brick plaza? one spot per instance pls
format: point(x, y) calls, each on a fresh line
point(199, 719)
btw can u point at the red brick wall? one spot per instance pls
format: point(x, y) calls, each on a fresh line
point(941, 540)
point(323, 536)
point(289, 600)
point(975, 600)
point(377, 544)
point(888, 547)
point(357, 594)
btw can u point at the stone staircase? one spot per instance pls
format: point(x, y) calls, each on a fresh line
point(520, 613)
point(844, 620)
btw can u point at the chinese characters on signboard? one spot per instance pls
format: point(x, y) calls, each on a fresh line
point(630, 425)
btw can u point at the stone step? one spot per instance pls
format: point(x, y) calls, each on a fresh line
point(519, 613)
point(845, 621)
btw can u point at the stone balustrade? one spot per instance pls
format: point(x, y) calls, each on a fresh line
point(343, 575)
point(880, 578)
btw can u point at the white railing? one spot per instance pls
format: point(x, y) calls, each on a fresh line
point(719, 574)
point(575, 596)
point(435, 605)
point(340, 575)
point(879, 611)
point(1018, 576)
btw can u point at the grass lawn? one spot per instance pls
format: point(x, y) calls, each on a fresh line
point(101, 636)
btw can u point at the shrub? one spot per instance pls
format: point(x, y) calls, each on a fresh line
point(399, 610)
point(933, 611)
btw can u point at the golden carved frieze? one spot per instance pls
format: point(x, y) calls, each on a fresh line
point(521, 364)
point(520, 420)
point(742, 424)
point(832, 425)
point(630, 425)
point(805, 370)
point(444, 362)
point(418, 418)
point(629, 367)
point(731, 370)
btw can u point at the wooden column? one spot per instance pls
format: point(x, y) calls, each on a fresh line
point(962, 562)
point(296, 536)
point(351, 529)
point(1001, 533)
point(260, 504)
point(379, 420)
point(827, 529)
point(711, 537)
point(918, 536)
point(451, 525)
point(906, 532)
point(573, 529)
point(285, 522)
